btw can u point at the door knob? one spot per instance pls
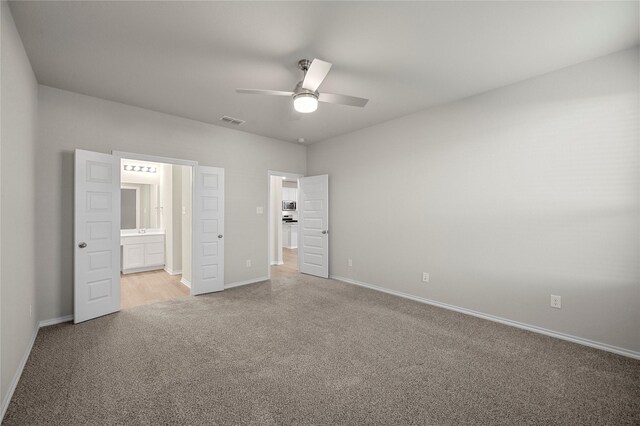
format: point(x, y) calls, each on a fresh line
point(219, 235)
point(82, 245)
point(325, 232)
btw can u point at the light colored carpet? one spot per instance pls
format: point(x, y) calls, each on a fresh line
point(301, 350)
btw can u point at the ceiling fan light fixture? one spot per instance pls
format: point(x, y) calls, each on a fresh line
point(305, 95)
point(305, 102)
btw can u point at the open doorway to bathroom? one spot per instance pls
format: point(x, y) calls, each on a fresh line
point(156, 235)
point(283, 224)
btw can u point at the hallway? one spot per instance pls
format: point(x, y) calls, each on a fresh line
point(290, 266)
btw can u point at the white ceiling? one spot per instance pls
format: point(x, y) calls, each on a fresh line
point(186, 58)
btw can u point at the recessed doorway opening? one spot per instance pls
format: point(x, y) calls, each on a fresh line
point(283, 224)
point(155, 231)
point(101, 254)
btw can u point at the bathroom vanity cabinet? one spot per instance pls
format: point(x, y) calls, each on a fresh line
point(142, 252)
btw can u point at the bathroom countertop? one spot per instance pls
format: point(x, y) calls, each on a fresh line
point(135, 233)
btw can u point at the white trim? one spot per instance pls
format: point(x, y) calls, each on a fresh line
point(185, 281)
point(579, 340)
point(245, 282)
point(277, 263)
point(54, 321)
point(172, 272)
point(16, 376)
point(153, 158)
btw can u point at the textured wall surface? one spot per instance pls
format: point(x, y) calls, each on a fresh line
point(504, 198)
point(17, 217)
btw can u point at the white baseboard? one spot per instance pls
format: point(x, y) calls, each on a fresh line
point(185, 281)
point(16, 377)
point(586, 342)
point(278, 263)
point(54, 321)
point(25, 357)
point(143, 269)
point(172, 272)
point(245, 282)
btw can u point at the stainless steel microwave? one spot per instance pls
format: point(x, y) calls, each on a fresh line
point(288, 205)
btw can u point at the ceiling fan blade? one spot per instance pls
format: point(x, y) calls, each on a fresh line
point(264, 92)
point(316, 73)
point(332, 98)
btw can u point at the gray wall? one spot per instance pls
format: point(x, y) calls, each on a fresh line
point(504, 198)
point(68, 120)
point(17, 217)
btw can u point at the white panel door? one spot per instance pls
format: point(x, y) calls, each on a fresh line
point(208, 230)
point(97, 235)
point(313, 222)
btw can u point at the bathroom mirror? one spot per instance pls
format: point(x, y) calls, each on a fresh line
point(139, 207)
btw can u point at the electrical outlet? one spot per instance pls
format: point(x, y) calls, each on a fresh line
point(259, 210)
point(350, 262)
point(425, 277)
point(556, 301)
point(248, 263)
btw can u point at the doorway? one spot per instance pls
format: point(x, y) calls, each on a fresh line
point(99, 250)
point(283, 224)
point(155, 231)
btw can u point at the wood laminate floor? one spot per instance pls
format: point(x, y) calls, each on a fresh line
point(145, 288)
point(290, 266)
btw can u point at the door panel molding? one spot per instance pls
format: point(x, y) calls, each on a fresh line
point(96, 235)
point(313, 220)
point(208, 219)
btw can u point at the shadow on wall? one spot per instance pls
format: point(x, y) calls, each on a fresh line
point(65, 248)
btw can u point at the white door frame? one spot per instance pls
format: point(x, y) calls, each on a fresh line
point(167, 160)
point(270, 173)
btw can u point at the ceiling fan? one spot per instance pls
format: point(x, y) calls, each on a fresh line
point(305, 95)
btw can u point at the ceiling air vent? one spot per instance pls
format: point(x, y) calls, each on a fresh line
point(231, 120)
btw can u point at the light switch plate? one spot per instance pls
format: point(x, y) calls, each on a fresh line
point(259, 210)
